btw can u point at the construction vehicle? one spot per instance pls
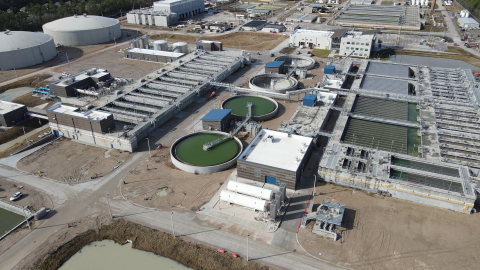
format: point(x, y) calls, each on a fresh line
point(212, 95)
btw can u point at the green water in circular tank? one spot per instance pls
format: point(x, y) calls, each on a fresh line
point(190, 150)
point(260, 106)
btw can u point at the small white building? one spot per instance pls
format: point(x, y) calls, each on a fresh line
point(150, 17)
point(356, 41)
point(468, 23)
point(312, 39)
point(274, 28)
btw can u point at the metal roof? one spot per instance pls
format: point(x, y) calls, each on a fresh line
point(80, 23)
point(331, 213)
point(310, 97)
point(467, 20)
point(386, 69)
point(216, 114)
point(156, 53)
point(16, 40)
point(389, 86)
point(275, 64)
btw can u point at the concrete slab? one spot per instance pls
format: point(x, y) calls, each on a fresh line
point(181, 114)
point(200, 100)
point(156, 132)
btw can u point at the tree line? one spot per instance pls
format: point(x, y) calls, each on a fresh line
point(39, 12)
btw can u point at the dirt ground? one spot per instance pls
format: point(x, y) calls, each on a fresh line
point(113, 61)
point(258, 41)
point(72, 162)
point(72, 52)
point(32, 199)
point(165, 186)
point(387, 233)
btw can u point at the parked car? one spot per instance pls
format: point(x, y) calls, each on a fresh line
point(65, 74)
point(16, 196)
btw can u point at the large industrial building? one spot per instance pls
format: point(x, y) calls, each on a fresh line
point(79, 83)
point(83, 30)
point(151, 17)
point(22, 49)
point(380, 17)
point(11, 113)
point(275, 157)
point(183, 8)
point(139, 110)
point(403, 131)
point(82, 125)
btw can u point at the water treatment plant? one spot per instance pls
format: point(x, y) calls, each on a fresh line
point(279, 154)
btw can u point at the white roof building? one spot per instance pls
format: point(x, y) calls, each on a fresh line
point(468, 23)
point(312, 39)
point(183, 8)
point(278, 151)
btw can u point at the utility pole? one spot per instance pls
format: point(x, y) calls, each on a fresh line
point(149, 152)
point(247, 246)
point(173, 228)
point(28, 143)
point(109, 209)
point(26, 219)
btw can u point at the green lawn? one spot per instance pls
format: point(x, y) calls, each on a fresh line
point(321, 53)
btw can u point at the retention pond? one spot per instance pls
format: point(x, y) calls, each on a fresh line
point(8, 221)
point(108, 255)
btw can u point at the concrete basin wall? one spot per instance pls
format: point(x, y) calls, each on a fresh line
point(263, 117)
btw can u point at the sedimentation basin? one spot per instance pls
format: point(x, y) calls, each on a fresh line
point(277, 83)
point(263, 108)
point(188, 155)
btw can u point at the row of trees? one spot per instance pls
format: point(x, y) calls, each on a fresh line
point(39, 12)
point(472, 5)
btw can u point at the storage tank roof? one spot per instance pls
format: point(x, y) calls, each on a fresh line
point(15, 40)
point(80, 23)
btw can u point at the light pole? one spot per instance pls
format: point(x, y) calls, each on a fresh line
point(247, 246)
point(28, 143)
point(109, 209)
point(173, 228)
point(26, 219)
point(70, 65)
point(391, 146)
point(314, 184)
point(149, 152)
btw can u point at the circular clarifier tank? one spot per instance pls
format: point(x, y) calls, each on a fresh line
point(188, 155)
point(263, 108)
point(277, 83)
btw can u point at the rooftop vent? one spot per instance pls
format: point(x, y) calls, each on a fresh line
point(85, 15)
point(6, 31)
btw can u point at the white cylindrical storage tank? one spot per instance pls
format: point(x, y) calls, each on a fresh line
point(140, 43)
point(243, 200)
point(83, 30)
point(467, 13)
point(422, 2)
point(145, 42)
point(180, 47)
point(258, 192)
point(20, 49)
point(160, 45)
point(133, 44)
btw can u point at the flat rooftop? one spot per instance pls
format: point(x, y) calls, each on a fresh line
point(313, 33)
point(156, 53)
point(358, 35)
point(284, 152)
point(216, 114)
point(386, 85)
point(6, 107)
point(386, 69)
point(255, 23)
point(74, 111)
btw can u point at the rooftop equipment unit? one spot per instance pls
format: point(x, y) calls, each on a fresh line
point(274, 205)
point(243, 200)
point(250, 190)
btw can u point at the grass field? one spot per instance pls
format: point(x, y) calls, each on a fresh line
point(29, 81)
point(321, 53)
point(29, 100)
point(287, 50)
point(452, 53)
point(248, 40)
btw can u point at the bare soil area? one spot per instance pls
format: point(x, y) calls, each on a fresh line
point(164, 186)
point(387, 233)
point(248, 40)
point(72, 162)
point(68, 241)
point(113, 60)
